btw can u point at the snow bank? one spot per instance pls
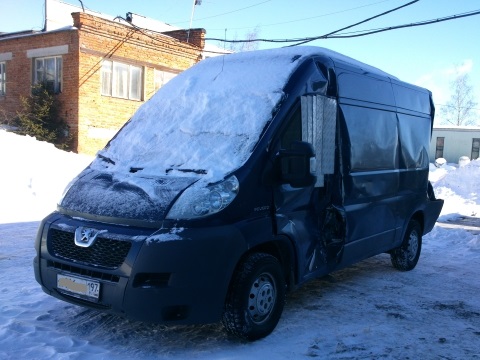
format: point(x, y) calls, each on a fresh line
point(34, 175)
point(460, 185)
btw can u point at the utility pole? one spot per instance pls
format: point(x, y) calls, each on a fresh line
point(195, 2)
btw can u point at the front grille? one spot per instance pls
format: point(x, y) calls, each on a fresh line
point(104, 252)
point(97, 275)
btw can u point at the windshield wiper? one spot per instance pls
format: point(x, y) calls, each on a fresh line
point(195, 171)
point(106, 159)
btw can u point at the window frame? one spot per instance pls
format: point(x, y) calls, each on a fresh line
point(439, 147)
point(161, 77)
point(475, 149)
point(118, 80)
point(57, 76)
point(3, 78)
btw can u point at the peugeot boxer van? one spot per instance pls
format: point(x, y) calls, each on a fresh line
point(241, 179)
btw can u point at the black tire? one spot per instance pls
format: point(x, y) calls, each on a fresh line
point(255, 298)
point(405, 257)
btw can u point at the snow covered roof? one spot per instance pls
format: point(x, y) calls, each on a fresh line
point(457, 128)
point(58, 15)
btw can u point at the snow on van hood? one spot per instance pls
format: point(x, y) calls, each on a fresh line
point(123, 196)
point(208, 119)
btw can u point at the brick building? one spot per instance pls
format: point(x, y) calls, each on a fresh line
point(101, 71)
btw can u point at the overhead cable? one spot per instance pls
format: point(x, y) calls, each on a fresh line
point(303, 19)
point(420, 23)
point(358, 34)
point(301, 40)
point(360, 22)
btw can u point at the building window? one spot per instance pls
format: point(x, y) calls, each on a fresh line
point(475, 148)
point(121, 80)
point(439, 148)
point(48, 71)
point(3, 79)
point(161, 78)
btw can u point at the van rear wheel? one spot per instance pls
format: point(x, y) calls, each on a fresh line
point(406, 256)
point(256, 297)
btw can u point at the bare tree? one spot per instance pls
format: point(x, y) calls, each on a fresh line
point(460, 109)
point(246, 44)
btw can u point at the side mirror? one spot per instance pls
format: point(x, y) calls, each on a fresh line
point(295, 165)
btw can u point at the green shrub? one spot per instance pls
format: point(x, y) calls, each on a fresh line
point(39, 117)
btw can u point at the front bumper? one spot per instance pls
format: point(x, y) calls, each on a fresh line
point(172, 275)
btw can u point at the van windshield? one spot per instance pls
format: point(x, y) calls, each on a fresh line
point(207, 120)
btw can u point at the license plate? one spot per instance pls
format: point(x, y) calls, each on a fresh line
point(79, 286)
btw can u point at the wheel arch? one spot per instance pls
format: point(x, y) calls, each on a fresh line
point(419, 217)
point(282, 249)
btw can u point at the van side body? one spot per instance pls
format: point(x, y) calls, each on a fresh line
point(337, 174)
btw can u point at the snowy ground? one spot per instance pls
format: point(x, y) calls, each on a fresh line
point(368, 311)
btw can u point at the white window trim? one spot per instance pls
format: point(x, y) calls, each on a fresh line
point(6, 56)
point(48, 51)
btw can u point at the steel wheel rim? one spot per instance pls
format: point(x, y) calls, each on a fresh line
point(261, 298)
point(412, 247)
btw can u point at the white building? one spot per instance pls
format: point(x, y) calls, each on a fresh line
point(452, 142)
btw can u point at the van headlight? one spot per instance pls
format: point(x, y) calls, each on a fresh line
point(197, 202)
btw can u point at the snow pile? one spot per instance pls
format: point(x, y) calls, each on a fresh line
point(460, 185)
point(33, 176)
point(367, 311)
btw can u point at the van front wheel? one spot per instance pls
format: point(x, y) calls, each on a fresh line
point(256, 297)
point(405, 257)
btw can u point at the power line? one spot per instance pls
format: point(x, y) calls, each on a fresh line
point(358, 34)
point(308, 18)
point(159, 35)
point(330, 35)
point(361, 22)
point(420, 23)
point(301, 40)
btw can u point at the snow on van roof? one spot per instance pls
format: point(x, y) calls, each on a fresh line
point(209, 118)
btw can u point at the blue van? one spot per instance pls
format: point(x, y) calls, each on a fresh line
point(241, 179)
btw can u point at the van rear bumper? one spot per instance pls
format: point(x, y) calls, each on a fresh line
point(432, 211)
point(174, 275)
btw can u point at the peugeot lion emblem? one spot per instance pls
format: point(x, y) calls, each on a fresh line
point(85, 237)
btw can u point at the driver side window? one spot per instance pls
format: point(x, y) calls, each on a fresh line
point(293, 131)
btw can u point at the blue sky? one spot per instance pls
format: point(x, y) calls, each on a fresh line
point(425, 55)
